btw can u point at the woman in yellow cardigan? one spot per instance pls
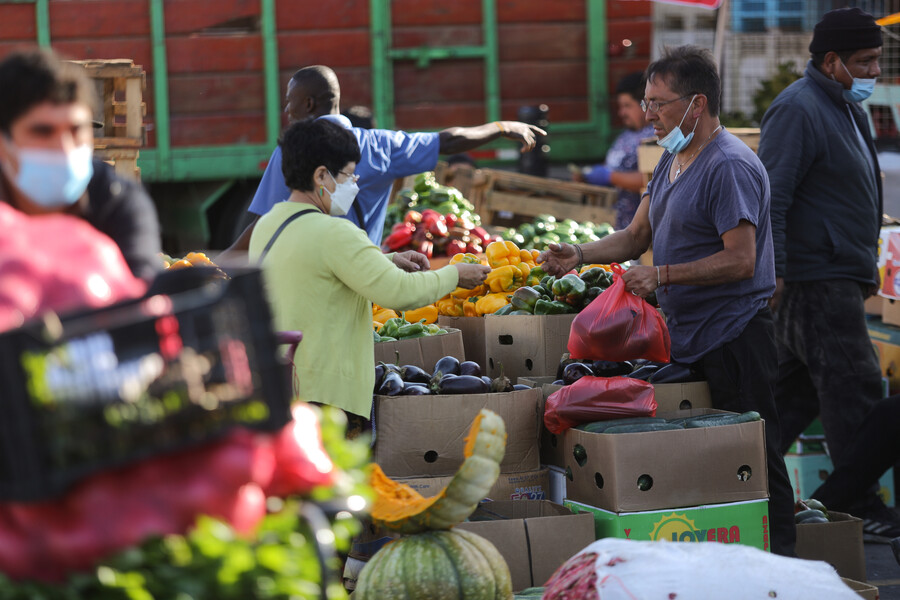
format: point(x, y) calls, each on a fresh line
point(322, 273)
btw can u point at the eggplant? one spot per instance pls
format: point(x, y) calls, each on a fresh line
point(575, 371)
point(379, 375)
point(564, 361)
point(521, 386)
point(558, 382)
point(486, 379)
point(391, 385)
point(608, 368)
point(415, 389)
point(461, 384)
point(470, 367)
point(448, 365)
point(414, 374)
point(644, 372)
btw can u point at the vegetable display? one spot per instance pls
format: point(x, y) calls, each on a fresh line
point(449, 377)
point(191, 259)
point(436, 561)
point(433, 219)
point(545, 229)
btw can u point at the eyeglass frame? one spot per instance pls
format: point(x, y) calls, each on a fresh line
point(351, 176)
point(647, 105)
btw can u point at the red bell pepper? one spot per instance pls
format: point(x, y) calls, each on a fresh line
point(455, 247)
point(397, 240)
point(412, 216)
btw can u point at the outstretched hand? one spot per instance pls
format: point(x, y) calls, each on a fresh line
point(411, 261)
point(522, 132)
point(558, 259)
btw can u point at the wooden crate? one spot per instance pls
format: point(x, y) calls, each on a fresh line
point(124, 160)
point(529, 196)
point(120, 87)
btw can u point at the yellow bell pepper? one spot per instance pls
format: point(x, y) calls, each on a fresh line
point(384, 314)
point(429, 313)
point(534, 255)
point(469, 307)
point(377, 326)
point(589, 267)
point(505, 279)
point(463, 293)
point(500, 254)
point(491, 303)
point(526, 257)
point(468, 257)
point(525, 268)
point(450, 307)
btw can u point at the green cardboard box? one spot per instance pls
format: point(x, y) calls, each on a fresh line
point(808, 471)
point(744, 523)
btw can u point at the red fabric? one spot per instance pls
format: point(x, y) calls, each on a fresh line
point(598, 399)
point(112, 510)
point(57, 262)
point(619, 326)
point(710, 4)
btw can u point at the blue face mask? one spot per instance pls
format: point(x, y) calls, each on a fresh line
point(51, 178)
point(676, 141)
point(860, 89)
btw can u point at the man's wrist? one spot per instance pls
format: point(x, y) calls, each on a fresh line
point(580, 253)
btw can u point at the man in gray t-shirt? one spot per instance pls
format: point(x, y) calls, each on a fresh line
point(706, 212)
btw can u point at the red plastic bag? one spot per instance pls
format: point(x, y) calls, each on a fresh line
point(619, 326)
point(598, 399)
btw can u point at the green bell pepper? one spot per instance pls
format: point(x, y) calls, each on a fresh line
point(392, 327)
point(570, 289)
point(411, 330)
point(595, 276)
point(545, 307)
point(590, 294)
point(524, 298)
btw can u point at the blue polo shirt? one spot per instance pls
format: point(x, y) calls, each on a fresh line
point(385, 156)
point(726, 184)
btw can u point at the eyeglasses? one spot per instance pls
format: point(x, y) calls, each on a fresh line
point(351, 176)
point(654, 106)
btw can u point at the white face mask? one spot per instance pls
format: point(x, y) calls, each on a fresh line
point(343, 195)
point(52, 178)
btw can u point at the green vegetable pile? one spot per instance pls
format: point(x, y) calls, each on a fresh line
point(545, 229)
point(399, 329)
point(567, 294)
point(212, 562)
point(428, 193)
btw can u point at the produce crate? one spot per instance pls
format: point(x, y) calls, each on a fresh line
point(98, 389)
point(529, 196)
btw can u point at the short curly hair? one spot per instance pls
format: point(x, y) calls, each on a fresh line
point(311, 143)
point(39, 76)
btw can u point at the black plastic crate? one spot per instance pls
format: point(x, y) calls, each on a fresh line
point(98, 389)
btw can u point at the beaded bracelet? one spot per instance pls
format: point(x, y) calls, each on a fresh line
point(580, 254)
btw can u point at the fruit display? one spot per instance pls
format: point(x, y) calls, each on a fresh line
point(191, 259)
point(433, 219)
point(545, 229)
point(436, 561)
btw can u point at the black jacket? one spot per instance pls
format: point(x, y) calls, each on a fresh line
point(826, 185)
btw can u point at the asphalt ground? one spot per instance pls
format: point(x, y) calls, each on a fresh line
point(883, 571)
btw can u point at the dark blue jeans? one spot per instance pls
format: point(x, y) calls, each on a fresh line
point(741, 376)
point(827, 366)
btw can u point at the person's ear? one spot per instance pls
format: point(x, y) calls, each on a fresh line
point(320, 177)
point(830, 63)
point(699, 105)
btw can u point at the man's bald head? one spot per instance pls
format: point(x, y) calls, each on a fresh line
point(312, 92)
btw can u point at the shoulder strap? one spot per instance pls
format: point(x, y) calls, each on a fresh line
point(359, 215)
point(281, 227)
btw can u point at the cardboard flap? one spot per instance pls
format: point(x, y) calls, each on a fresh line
point(551, 546)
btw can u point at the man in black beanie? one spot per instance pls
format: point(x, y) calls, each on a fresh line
point(826, 218)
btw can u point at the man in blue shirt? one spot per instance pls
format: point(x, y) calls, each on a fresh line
point(706, 212)
point(314, 92)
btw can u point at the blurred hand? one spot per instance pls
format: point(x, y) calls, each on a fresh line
point(775, 300)
point(521, 132)
point(411, 261)
point(599, 175)
point(470, 275)
point(640, 280)
point(558, 259)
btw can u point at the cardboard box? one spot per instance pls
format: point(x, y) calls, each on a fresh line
point(530, 485)
point(886, 340)
point(423, 352)
point(808, 471)
point(472, 330)
point(889, 261)
point(744, 523)
point(526, 345)
point(874, 305)
point(534, 537)
point(890, 310)
point(838, 542)
point(557, 477)
point(669, 398)
point(863, 590)
point(422, 436)
point(686, 467)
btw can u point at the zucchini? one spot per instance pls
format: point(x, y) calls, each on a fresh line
point(641, 428)
point(580, 455)
point(601, 426)
point(717, 420)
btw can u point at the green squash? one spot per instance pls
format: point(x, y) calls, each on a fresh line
point(436, 565)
